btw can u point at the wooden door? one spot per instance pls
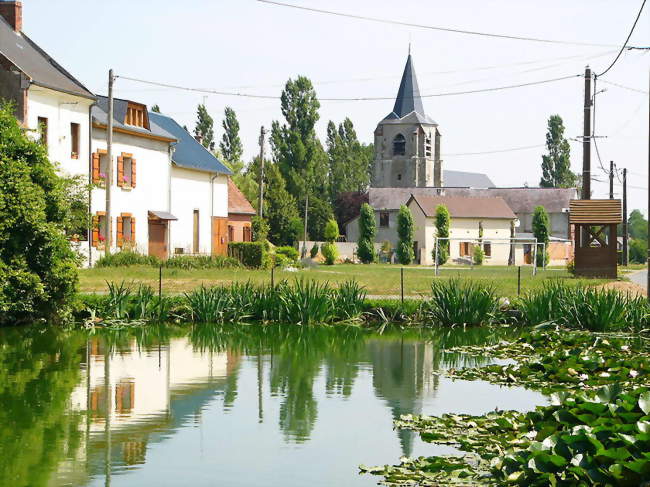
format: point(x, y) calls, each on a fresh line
point(219, 235)
point(158, 239)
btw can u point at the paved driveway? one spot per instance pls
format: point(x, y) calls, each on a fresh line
point(640, 278)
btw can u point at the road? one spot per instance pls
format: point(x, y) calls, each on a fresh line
point(640, 277)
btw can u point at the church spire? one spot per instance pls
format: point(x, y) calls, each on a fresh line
point(408, 97)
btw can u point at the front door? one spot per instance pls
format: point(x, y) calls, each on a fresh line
point(158, 238)
point(219, 235)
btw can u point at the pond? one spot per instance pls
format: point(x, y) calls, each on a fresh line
point(231, 405)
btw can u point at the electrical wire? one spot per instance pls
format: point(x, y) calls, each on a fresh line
point(371, 98)
point(512, 149)
point(626, 40)
point(438, 28)
point(636, 90)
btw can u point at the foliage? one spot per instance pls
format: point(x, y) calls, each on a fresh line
point(319, 215)
point(77, 218)
point(295, 230)
point(260, 229)
point(127, 258)
point(637, 226)
point(542, 232)
point(201, 262)
point(330, 252)
point(367, 233)
point(290, 252)
point(461, 302)
point(279, 208)
point(479, 255)
point(251, 254)
point(331, 232)
point(155, 108)
point(204, 127)
point(314, 251)
point(38, 269)
point(582, 307)
point(405, 231)
point(556, 165)
point(443, 221)
point(638, 251)
point(230, 145)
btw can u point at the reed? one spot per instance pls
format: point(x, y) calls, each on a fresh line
point(461, 302)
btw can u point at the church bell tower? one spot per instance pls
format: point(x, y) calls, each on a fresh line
point(407, 141)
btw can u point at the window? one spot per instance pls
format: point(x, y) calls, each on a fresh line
point(74, 140)
point(399, 145)
point(487, 249)
point(126, 171)
point(195, 240)
point(247, 234)
point(399, 177)
point(124, 397)
point(384, 218)
point(136, 116)
point(427, 146)
point(231, 233)
point(466, 249)
point(125, 230)
point(42, 130)
point(98, 404)
point(99, 229)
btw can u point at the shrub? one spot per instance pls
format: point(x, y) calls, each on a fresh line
point(126, 258)
point(405, 229)
point(281, 260)
point(38, 268)
point(260, 229)
point(331, 232)
point(367, 232)
point(189, 262)
point(314, 251)
point(289, 252)
point(250, 254)
point(330, 253)
point(479, 255)
point(541, 231)
point(458, 302)
point(443, 221)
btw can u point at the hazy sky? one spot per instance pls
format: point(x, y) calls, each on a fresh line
point(252, 47)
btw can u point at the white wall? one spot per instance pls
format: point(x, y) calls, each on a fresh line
point(151, 190)
point(190, 190)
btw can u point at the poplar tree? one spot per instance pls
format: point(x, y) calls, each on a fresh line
point(230, 145)
point(155, 108)
point(405, 230)
point(367, 233)
point(443, 221)
point(204, 127)
point(542, 232)
point(556, 165)
point(279, 208)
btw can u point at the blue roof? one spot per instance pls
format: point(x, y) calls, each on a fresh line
point(188, 152)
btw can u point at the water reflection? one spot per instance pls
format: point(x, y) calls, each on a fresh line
point(81, 408)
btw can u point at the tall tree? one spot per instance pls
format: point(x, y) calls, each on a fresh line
point(349, 160)
point(230, 145)
point(279, 208)
point(367, 233)
point(204, 127)
point(556, 165)
point(405, 230)
point(155, 108)
point(542, 232)
point(443, 222)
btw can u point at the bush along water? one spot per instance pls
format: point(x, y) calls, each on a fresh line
point(461, 302)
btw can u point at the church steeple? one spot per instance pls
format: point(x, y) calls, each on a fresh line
point(408, 97)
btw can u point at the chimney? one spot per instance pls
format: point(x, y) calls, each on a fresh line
point(12, 11)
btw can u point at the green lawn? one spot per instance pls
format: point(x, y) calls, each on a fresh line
point(379, 279)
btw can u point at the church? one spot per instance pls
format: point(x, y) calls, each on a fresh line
point(408, 167)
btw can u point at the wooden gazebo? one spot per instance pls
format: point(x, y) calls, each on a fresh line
point(595, 236)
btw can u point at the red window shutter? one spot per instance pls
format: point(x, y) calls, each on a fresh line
point(95, 168)
point(95, 234)
point(133, 229)
point(132, 173)
point(120, 171)
point(120, 231)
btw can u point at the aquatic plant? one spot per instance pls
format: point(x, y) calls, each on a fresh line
point(461, 302)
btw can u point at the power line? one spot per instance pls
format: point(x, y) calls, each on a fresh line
point(626, 40)
point(370, 98)
point(636, 90)
point(512, 149)
point(443, 29)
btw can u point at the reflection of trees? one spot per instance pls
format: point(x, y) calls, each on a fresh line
point(38, 370)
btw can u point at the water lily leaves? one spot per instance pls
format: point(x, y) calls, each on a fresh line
point(644, 402)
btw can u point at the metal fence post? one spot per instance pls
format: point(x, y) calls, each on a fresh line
point(518, 280)
point(160, 282)
point(402, 283)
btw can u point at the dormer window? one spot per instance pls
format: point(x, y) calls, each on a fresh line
point(136, 116)
point(399, 145)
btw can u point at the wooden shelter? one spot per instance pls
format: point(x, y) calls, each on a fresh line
point(595, 236)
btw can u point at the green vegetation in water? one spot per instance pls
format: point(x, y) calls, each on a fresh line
point(461, 302)
point(595, 432)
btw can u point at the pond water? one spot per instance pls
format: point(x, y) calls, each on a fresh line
point(235, 405)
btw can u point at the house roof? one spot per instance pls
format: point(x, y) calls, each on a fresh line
point(408, 98)
point(188, 153)
point(100, 116)
point(237, 202)
point(462, 179)
point(35, 63)
point(460, 207)
point(520, 200)
point(596, 211)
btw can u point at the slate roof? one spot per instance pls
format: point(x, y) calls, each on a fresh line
point(100, 116)
point(408, 98)
point(34, 62)
point(237, 202)
point(188, 153)
point(520, 200)
point(461, 207)
point(462, 179)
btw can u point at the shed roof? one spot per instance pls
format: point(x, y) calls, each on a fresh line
point(596, 212)
point(237, 202)
point(188, 153)
point(35, 63)
point(460, 207)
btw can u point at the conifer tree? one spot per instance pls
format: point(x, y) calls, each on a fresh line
point(367, 233)
point(556, 165)
point(230, 145)
point(204, 128)
point(443, 221)
point(405, 230)
point(279, 208)
point(542, 232)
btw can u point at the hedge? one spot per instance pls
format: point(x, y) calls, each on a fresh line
point(250, 254)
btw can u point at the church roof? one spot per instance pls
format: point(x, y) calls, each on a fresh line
point(408, 97)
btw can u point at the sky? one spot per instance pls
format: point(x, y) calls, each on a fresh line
point(252, 47)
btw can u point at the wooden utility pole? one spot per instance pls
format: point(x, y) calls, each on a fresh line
point(109, 164)
point(611, 180)
point(261, 202)
point(586, 139)
point(625, 226)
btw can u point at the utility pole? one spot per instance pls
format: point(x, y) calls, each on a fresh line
point(261, 202)
point(109, 164)
point(304, 239)
point(586, 139)
point(611, 180)
point(625, 226)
